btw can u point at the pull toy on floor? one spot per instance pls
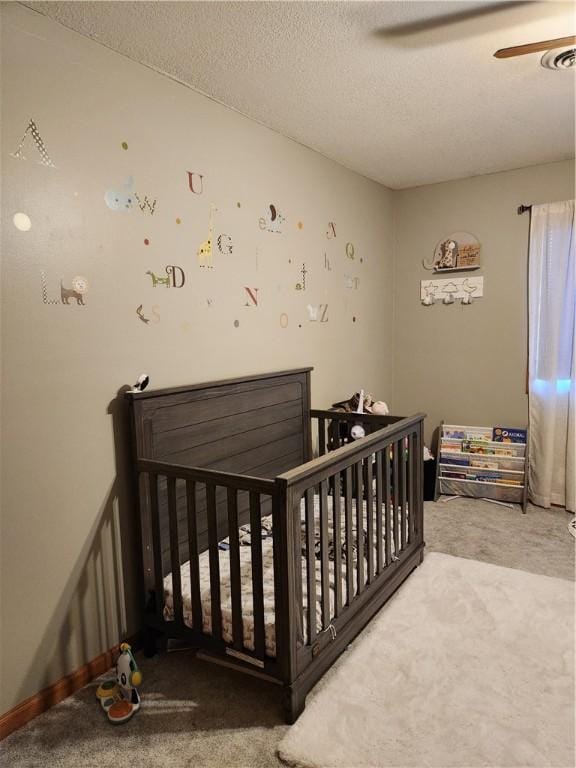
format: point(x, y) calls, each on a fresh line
point(119, 697)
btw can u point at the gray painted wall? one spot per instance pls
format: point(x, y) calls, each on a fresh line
point(467, 364)
point(69, 589)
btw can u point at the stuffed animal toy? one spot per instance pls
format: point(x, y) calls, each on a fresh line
point(378, 408)
point(119, 697)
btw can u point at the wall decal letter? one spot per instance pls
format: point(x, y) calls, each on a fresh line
point(350, 250)
point(352, 282)
point(145, 203)
point(331, 231)
point(191, 175)
point(140, 313)
point(302, 285)
point(314, 309)
point(327, 263)
point(171, 270)
point(273, 220)
point(223, 246)
point(283, 320)
point(253, 294)
point(44, 157)
point(44, 286)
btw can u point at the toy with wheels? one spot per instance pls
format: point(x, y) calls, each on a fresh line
point(119, 697)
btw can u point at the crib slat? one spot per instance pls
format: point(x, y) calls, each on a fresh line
point(310, 564)
point(379, 511)
point(369, 517)
point(395, 498)
point(322, 436)
point(324, 561)
point(257, 574)
point(337, 538)
point(193, 552)
point(418, 491)
point(387, 516)
point(235, 577)
point(349, 536)
point(403, 491)
point(214, 561)
point(174, 553)
point(411, 476)
point(359, 528)
point(156, 546)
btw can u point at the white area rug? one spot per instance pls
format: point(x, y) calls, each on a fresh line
point(470, 664)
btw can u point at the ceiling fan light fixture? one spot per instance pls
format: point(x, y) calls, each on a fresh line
point(556, 59)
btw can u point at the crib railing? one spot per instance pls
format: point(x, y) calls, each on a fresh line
point(366, 496)
point(191, 511)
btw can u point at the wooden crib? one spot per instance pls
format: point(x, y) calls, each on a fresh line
point(329, 539)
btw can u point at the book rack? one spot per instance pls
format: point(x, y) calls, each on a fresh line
point(483, 462)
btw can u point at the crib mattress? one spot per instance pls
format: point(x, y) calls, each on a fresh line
point(268, 584)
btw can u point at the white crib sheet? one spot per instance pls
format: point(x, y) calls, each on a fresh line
point(268, 584)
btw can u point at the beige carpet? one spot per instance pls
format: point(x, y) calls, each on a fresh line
point(470, 664)
point(197, 715)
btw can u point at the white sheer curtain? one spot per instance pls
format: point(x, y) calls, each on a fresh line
point(552, 355)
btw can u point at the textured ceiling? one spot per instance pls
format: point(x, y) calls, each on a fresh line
point(406, 93)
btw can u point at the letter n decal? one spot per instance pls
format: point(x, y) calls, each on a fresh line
point(253, 295)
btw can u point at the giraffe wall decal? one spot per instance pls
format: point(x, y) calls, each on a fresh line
point(204, 252)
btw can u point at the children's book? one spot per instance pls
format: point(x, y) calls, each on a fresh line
point(484, 463)
point(461, 461)
point(508, 435)
point(504, 452)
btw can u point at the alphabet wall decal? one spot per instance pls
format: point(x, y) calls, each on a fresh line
point(301, 286)
point(35, 133)
point(44, 287)
point(156, 281)
point(331, 231)
point(121, 199)
point(181, 278)
point(253, 295)
point(79, 287)
point(352, 282)
point(272, 221)
point(318, 310)
point(350, 250)
point(327, 263)
point(155, 313)
point(283, 320)
point(225, 245)
point(140, 313)
point(204, 252)
point(144, 204)
point(196, 187)
point(77, 291)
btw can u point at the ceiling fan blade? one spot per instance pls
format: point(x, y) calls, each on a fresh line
point(543, 45)
point(428, 24)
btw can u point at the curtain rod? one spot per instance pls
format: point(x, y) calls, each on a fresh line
point(523, 208)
